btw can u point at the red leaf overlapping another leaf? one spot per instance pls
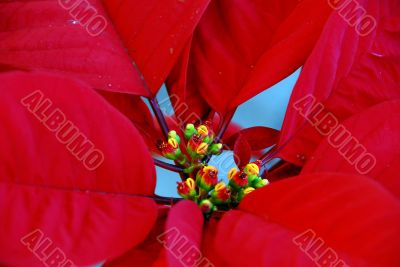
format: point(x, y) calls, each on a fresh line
point(346, 73)
point(372, 138)
point(45, 179)
point(353, 215)
point(42, 35)
point(155, 33)
point(235, 40)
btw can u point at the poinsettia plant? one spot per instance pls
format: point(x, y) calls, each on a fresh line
point(79, 145)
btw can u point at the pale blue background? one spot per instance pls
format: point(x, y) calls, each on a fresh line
point(266, 109)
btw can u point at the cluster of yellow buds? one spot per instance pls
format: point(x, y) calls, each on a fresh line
point(199, 143)
point(246, 180)
point(202, 184)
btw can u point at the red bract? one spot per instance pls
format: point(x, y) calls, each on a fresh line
point(242, 152)
point(241, 48)
point(257, 137)
point(332, 216)
point(188, 102)
point(42, 35)
point(371, 137)
point(347, 73)
point(155, 33)
point(47, 182)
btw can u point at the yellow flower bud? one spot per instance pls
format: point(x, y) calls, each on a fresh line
point(173, 143)
point(232, 173)
point(202, 149)
point(248, 190)
point(202, 130)
point(252, 169)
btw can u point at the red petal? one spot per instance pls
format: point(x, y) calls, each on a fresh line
point(42, 35)
point(377, 132)
point(347, 73)
point(257, 137)
point(45, 186)
point(187, 101)
point(235, 39)
point(184, 227)
point(138, 113)
point(242, 152)
point(155, 33)
point(147, 253)
point(87, 227)
point(353, 215)
point(292, 43)
point(281, 171)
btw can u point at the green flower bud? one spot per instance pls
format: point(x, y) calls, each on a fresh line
point(259, 182)
point(190, 130)
point(215, 149)
point(174, 135)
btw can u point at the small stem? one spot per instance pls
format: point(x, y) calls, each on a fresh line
point(159, 116)
point(167, 166)
point(166, 200)
point(222, 128)
point(164, 128)
point(268, 155)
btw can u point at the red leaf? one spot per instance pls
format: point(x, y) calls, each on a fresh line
point(353, 215)
point(347, 73)
point(184, 225)
point(179, 240)
point(187, 101)
point(374, 136)
point(147, 252)
point(242, 152)
point(86, 226)
point(235, 40)
point(292, 44)
point(138, 113)
point(42, 35)
point(257, 137)
point(89, 208)
point(154, 33)
point(281, 171)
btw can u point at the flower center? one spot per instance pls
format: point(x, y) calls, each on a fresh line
point(202, 184)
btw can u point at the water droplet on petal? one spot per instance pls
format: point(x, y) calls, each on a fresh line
point(171, 50)
point(73, 22)
point(100, 76)
point(220, 72)
point(377, 54)
point(301, 157)
point(109, 84)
